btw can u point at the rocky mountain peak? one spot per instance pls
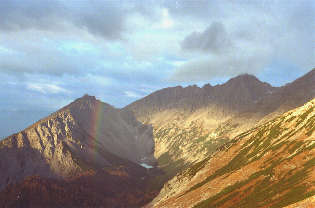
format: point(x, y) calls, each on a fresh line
point(238, 94)
point(86, 105)
point(88, 97)
point(171, 129)
point(247, 80)
point(207, 86)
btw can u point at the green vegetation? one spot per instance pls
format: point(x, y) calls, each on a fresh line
point(169, 166)
point(192, 170)
point(310, 125)
point(224, 129)
point(296, 145)
point(279, 145)
point(201, 139)
point(236, 163)
point(252, 150)
point(291, 119)
point(304, 116)
point(264, 191)
point(164, 159)
point(312, 146)
point(212, 145)
point(275, 131)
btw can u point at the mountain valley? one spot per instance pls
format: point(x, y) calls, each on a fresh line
point(242, 144)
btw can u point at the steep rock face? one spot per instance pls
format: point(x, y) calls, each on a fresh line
point(117, 130)
point(289, 96)
point(41, 149)
point(237, 95)
point(271, 165)
point(86, 134)
point(89, 147)
point(189, 123)
point(241, 94)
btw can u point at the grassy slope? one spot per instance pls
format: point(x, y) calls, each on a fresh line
point(279, 156)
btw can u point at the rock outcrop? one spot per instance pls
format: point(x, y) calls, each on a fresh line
point(85, 140)
point(240, 94)
point(189, 123)
point(91, 151)
point(237, 95)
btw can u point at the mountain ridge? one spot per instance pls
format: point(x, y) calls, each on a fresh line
point(89, 143)
point(231, 92)
point(195, 97)
point(73, 136)
point(188, 123)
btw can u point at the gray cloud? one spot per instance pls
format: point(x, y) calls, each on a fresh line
point(194, 8)
point(42, 56)
point(266, 34)
point(213, 39)
point(105, 19)
point(52, 52)
point(101, 18)
point(19, 15)
point(210, 67)
point(33, 34)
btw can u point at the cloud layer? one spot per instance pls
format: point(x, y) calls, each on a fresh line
point(254, 37)
point(52, 52)
point(105, 19)
point(214, 40)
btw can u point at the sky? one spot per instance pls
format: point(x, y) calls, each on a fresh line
point(52, 52)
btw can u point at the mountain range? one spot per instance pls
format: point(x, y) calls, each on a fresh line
point(244, 143)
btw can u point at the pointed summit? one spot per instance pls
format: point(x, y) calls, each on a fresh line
point(87, 96)
point(207, 87)
point(248, 80)
point(237, 94)
point(86, 104)
point(245, 76)
point(87, 133)
point(88, 142)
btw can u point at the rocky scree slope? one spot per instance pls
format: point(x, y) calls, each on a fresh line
point(85, 144)
point(272, 165)
point(190, 123)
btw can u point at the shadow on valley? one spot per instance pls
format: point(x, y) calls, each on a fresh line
point(90, 190)
point(122, 184)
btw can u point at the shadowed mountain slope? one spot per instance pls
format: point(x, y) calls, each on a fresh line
point(291, 95)
point(85, 142)
point(190, 123)
point(92, 150)
point(236, 95)
point(240, 94)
